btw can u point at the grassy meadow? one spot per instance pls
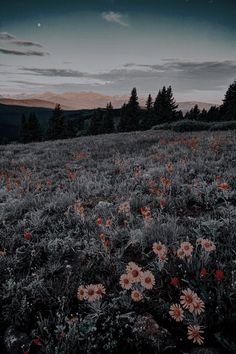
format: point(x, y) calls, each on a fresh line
point(121, 243)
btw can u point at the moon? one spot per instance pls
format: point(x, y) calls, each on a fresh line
point(39, 24)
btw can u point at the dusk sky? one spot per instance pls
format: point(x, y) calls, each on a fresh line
point(110, 46)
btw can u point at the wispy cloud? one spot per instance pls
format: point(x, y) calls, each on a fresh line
point(22, 53)
point(55, 72)
point(6, 36)
point(115, 17)
point(27, 43)
point(11, 39)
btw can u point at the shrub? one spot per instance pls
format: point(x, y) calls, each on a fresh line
point(231, 125)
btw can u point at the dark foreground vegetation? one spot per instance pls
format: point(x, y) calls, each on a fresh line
point(162, 112)
point(119, 244)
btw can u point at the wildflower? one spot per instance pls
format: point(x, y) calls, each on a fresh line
point(203, 272)
point(199, 307)
point(147, 280)
point(187, 248)
point(99, 221)
point(165, 182)
point(188, 299)
point(176, 312)
point(136, 295)
point(174, 281)
point(134, 271)
point(125, 281)
point(159, 248)
point(2, 253)
point(27, 235)
point(162, 203)
point(102, 237)
point(180, 253)
point(195, 334)
point(36, 341)
point(146, 212)
point(90, 293)
point(208, 245)
point(124, 208)
point(223, 186)
point(163, 258)
point(108, 223)
point(100, 290)
point(81, 293)
point(219, 274)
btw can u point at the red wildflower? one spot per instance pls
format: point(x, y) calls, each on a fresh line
point(174, 281)
point(203, 272)
point(223, 186)
point(99, 221)
point(162, 203)
point(27, 235)
point(219, 274)
point(36, 341)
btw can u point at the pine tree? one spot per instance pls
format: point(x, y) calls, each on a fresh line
point(214, 114)
point(56, 127)
point(96, 122)
point(24, 133)
point(148, 115)
point(131, 114)
point(228, 108)
point(34, 130)
point(194, 113)
point(108, 120)
point(122, 122)
point(165, 106)
point(203, 115)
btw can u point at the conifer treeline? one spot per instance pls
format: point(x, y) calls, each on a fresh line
point(132, 117)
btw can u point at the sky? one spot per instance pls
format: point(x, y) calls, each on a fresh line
point(111, 46)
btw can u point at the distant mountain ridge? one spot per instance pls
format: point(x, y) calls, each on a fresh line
point(84, 100)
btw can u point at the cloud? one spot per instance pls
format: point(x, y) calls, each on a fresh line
point(55, 72)
point(115, 17)
point(27, 43)
point(22, 53)
point(6, 36)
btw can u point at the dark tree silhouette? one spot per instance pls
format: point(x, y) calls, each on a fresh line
point(56, 127)
point(130, 114)
point(24, 133)
point(214, 114)
point(228, 108)
point(194, 113)
point(96, 122)
point(165, 106)
point(34, 130)
point(147, 120)
point(108, 120)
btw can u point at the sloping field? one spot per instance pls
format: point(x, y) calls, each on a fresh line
point(143, 224)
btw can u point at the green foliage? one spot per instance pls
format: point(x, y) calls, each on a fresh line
point(165, 106)
point(130, 114)
point(56, 126)
point(228, 108)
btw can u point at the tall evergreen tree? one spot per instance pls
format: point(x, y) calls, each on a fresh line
point(214, 114)
point(194, 113)
point(96, 122)
point(56, 127)
point(228, 108)
point(24, 133)
point(131, 114)
point(147, 120)
point(34, 130)
point(203, 115)
point(108, 120)
point(165, 106)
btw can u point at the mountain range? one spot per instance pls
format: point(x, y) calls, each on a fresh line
point(83, 100)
